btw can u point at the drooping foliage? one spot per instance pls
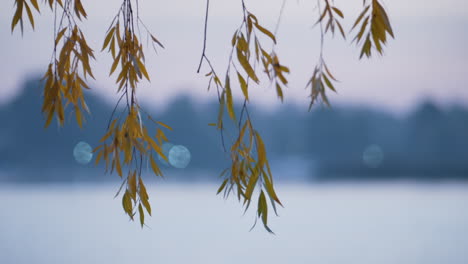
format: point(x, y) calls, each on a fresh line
point(128, 144)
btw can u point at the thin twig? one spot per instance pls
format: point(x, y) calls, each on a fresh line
point(204, 36)
point(279, 17)
point(113, 111)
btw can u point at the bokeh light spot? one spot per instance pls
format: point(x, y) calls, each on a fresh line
point(373, 156)
point(179, 156)
point(83, 153)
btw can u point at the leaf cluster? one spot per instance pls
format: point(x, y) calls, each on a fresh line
point(67, 73)
point(320, 80)
point(130, 144)
point(249, 171)
point(333, 15)
point(128, 134)
point(374, 25)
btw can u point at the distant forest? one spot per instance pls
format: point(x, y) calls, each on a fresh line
point(325, 144)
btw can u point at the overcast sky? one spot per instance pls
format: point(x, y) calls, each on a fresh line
point(428, 58)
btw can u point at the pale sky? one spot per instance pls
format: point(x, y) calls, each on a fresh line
point(428, 58)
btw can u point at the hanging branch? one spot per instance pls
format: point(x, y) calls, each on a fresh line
point(127, 137)
point(250, 169)
point(322, 75)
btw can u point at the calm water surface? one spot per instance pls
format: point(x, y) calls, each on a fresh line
point(334, 223)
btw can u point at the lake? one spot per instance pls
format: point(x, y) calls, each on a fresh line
point(335, 223)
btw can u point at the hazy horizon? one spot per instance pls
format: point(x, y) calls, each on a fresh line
point(427, 60)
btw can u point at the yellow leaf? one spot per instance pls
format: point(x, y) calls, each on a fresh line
point(143, 69)
point(79, 10)
point(246, 65)
point(279, 92)
point(60, 35)
point(107, 135)
point(132, 185)
point(144, 196)
point(385, 18)
point(127, 204)
point(360, 17)
point(328, 83)
point(229, 101)
point(155, 167)
point(114, 65)
point(108, 38)
point(234, 38)
point(260, 149)
point(18, 14)
point(30, 15)
point(222, 186)
point(157, 41)
point(242, 43)
point(36, 6)
point(270, 189)
point(251, 185)
point(160, 135)
point(117, 164)
point(142, 215)
point(363, 29)
point(99, 156)
point(222, 100)
point(50, 115)
point(338, 12)
point(164, 125)
point(266, 32)
point(60, 112)
point(243, 85)
point(341, 30)
point(78, 117)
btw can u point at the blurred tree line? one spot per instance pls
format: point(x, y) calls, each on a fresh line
point(429, 143)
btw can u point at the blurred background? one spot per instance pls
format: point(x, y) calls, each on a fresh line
point(379, 177)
